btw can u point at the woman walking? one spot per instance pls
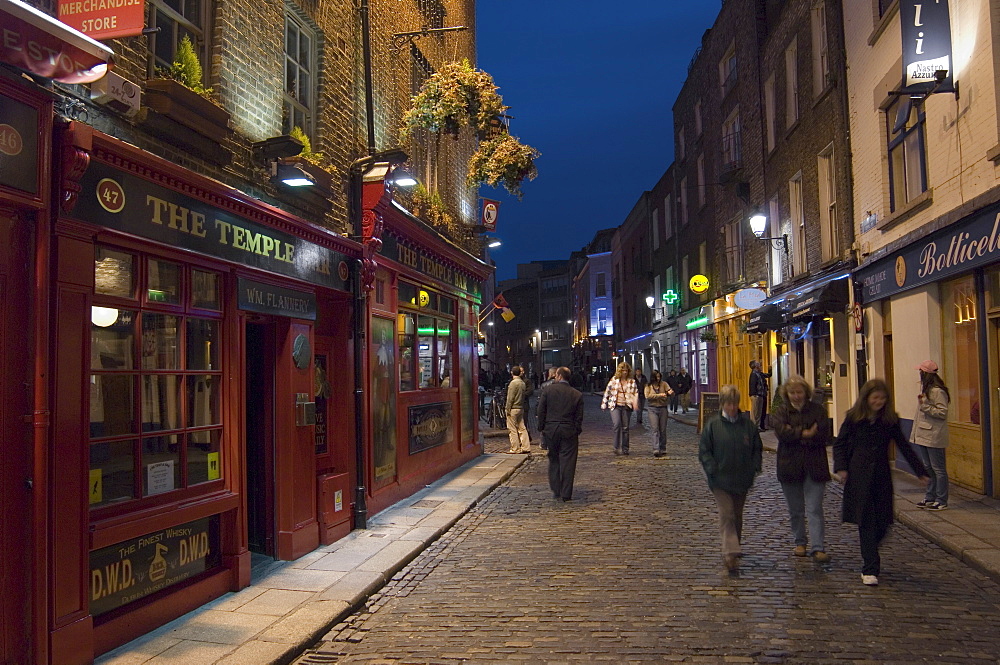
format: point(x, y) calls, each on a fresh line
point(861, 462)
point(621, 397)
point(803, 432)
point(930, 434)
point(658, 396)
point(730, 451)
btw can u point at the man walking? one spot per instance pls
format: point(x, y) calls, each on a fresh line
point(671, 380)
point(684, 383)
point(541, 391)
point(560, 419)
point(517, 395)
point(757, 389)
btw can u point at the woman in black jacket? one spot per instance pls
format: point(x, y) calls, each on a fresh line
point(861, 461)
point(803, 432)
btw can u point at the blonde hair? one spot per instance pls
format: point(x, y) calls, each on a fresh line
point(794, 380)
point(624, 371)
point(729, 394)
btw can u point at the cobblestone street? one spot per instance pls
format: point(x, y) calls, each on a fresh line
point(630, 571)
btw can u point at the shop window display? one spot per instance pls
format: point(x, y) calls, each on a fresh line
point(155, 405)
point(961, 349)
point(425, 340)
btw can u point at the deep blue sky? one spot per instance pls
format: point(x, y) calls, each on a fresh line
point(590, 84)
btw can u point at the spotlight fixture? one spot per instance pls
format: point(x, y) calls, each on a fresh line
point(494, 243)
point(290, 175)
point(270, 152)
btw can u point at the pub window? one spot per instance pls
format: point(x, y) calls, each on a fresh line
point(425, 340)
point(961, 366)
point(155, 379)
point(169, 22)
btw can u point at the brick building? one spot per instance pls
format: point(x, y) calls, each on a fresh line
point(223, 369)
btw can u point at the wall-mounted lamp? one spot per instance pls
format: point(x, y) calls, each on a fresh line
point(271, 151)
point(758, 223)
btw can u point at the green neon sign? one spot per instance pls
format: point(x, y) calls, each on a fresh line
point(695, 323)
point(671, 296)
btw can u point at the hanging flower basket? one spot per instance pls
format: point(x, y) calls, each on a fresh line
point(503, 160)
point(455, 96)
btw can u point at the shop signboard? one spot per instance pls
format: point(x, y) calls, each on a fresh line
point(254, 296)
point(18, 146)
point(127, 571)
point(429, 265)
point(430, 425)
point(104, 19)
point(125, 202)
point(926, 31)
point(970, 243)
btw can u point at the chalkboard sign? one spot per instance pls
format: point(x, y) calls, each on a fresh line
point(708, 406)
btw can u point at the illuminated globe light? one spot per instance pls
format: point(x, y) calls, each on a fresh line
point(102, 317)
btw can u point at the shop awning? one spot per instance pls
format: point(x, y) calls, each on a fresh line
point(767, 317)
point(822, 297)
point(38, 43)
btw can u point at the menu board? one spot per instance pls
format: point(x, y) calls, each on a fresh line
point(708, 406)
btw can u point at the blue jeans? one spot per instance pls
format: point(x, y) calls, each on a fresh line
point(658, 422)
point(934, 460)
point(806, 498)
point(620, 416)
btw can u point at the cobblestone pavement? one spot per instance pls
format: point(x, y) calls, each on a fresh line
point(630, 572)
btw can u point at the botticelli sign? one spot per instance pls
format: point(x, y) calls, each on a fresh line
point(123, 201)
point(969, 243)
point(133, 569)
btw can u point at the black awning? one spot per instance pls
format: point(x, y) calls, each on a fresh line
point(830, 296)
point(768, 317)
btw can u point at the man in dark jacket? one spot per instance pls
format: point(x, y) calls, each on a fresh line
point(671, 380)
point(560, 419)
point(758, 393)
point(684, 383)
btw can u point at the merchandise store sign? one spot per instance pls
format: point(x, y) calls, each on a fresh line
point(18, 146)
point(104, 19)
point(426, 264)
point(270, 299)
point(136, 568)
point(128, 203)
point(967, 244)
point(926, 30)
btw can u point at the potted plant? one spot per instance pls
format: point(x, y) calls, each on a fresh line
point(455, 96)
point(502, 160)
point(179, 97)
point(708, 335)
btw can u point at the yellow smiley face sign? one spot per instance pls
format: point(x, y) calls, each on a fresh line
point(423, 298)
point(699, 284)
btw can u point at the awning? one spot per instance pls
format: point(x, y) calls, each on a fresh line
point(38, 43)
point(829, 295)
point(767, 317)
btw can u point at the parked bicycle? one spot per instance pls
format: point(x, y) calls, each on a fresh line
point(496, 417)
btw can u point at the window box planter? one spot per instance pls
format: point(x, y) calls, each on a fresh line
point(178, 115)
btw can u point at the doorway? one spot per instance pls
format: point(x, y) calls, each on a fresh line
point(16, 523)
point(260, 355)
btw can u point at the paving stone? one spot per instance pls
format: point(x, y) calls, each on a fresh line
point(630, 572)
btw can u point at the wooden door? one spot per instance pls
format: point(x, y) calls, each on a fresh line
point(16, 543)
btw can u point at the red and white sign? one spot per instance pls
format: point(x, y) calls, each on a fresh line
point(104, 19)
point(488, 215)
point(38, 43)
point(858, 318)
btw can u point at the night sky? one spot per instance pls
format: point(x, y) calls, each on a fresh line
point(590, 84)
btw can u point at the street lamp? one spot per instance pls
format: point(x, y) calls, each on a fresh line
point(758, 223)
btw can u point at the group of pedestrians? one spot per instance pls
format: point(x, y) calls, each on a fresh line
point(629, 392)
point(730, 451)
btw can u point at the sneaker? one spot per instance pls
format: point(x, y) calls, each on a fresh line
point(937, 506)
point(659, 453)
point(821, 557)
point(926, 504)
point(800, 550)
point(869, 580)
point(624, 452)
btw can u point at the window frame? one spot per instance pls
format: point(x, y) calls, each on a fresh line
point(293, 105)
point(144, 303)
point(438, 315)
point(196, 26)
point(898, 141)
